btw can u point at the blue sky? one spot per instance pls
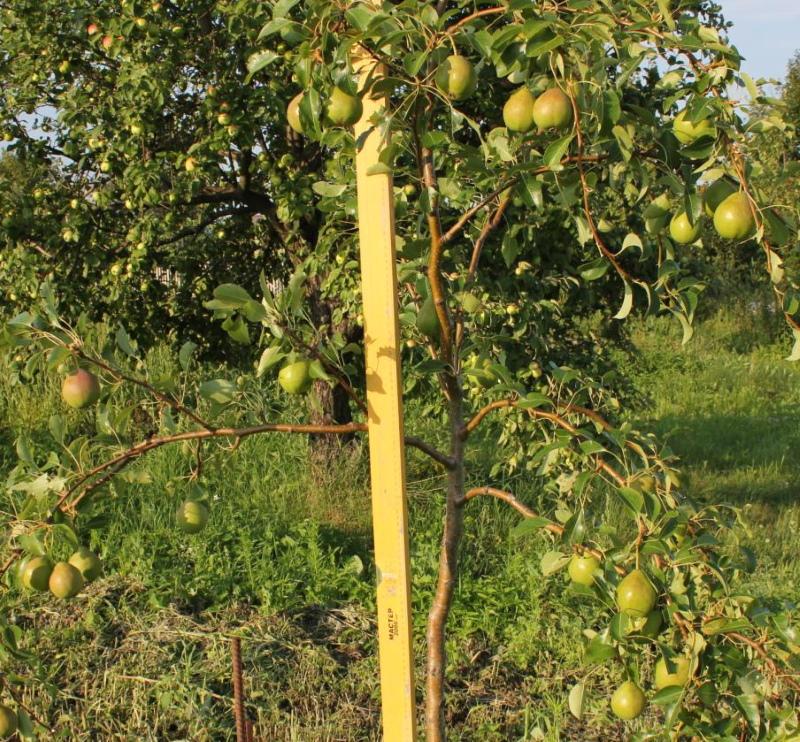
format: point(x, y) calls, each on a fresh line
point(766, 32)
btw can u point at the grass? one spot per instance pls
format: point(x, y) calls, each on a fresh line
point(285, 564)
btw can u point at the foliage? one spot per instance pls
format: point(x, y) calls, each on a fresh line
point(471, 242)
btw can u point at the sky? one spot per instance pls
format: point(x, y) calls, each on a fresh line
point(766, 32)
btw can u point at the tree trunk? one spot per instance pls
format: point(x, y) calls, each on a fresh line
point(448, 572)
point(328, 406)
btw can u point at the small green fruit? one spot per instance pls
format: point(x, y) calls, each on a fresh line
point(552, 110)
point(65, 581)
point(664, 678)
point(683, 231)
point(343, 109)
point(628, 701)
point(456, 77)
point(36, 573)
point(295, 378)
point(428, 320)
point(518, 111)
point(80, 389)
point(716, 193)
point(224, 119)
point(87, 563)
point(636, 596)
point(687, 132)
point(293, 113)
point(8, 721)
point(192, 516)
point(582, 569)
point(734, 219)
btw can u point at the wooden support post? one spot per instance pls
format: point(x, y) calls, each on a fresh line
point(385, 421)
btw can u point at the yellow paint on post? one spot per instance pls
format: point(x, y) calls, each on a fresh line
point(385, 422)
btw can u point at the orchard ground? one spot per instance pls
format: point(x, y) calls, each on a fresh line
point(286, 565)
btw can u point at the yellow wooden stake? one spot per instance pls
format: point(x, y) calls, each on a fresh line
point(385, 422)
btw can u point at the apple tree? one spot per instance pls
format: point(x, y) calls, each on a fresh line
point(605, 122)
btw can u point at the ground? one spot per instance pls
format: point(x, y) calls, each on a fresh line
point(285, 565)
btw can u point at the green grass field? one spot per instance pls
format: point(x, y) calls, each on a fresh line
point(143, 654)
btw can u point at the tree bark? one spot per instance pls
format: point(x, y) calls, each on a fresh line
point(448, 571)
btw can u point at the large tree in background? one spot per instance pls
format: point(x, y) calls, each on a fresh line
point(630, 99)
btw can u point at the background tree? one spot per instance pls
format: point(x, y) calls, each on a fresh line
point(630, 99)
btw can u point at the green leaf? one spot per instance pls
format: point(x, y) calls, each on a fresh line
point(575, 700)
point(221, 391)
point(553, 561)
point(269, 358)
point(31, 545)
point(668, 695)
point(329, 190)
point(232, 295)
point(185, 354)
point(749, 703)
point(258, 61)
point(632, 498)
point(124, 342)
point(556, 151)
point(627, 303)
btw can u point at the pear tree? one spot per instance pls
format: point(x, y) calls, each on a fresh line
point(510, 123)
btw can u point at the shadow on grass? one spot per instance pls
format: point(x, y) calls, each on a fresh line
point(739, 458)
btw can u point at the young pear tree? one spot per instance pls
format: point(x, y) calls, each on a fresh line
point(595, 98)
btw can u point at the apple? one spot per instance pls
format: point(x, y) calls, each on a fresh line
point(105, 166)
point(552, 110)
point(92, 29)
point(107, 42)
point(716, 193)
point(65, 67)
point(456, 77)
point(136, 129)
point(628, 701)
point(518, 111)
point(80, 389)
point(190, 164)
point(141, 23)
point(223, 119)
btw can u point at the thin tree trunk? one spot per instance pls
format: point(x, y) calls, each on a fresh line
point(448, 572)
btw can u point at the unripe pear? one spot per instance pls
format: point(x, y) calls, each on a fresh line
point(734, 219)
point(8, 721)
point(456, 77)
point(36, 573)
point(518, 111)
point(628, 701)
point(552, 110)
point(636, 596)
point(191, 516)
point(65, 581)
point(295, 378)
point(87, 563)
point(682, 230)
point(80, 389)
point(582, 569)
point(663, 678)
point(716, 193)
point(343, 109)
point(687, 132)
